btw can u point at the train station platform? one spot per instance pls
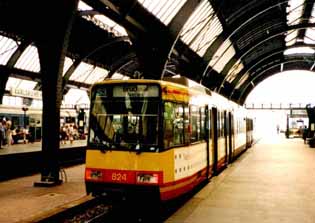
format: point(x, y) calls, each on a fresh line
point(272, 182)
point(20, 201)
point(36, 146)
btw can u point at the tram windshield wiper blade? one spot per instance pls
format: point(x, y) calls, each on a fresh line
point(138, 148)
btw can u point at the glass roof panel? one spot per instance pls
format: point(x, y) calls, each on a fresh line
point(202, 28)
point(242, 80)
point(98, 74)
point(294, 16)
point(169, 14)
point(76, 96)
point(291, 38)
point(118, 76)
point(309, 36)
point(7, 48)
point(207, 36)
point(83, 6)
point(67, 65)
point(312, 18)
point(164, 10)
point(102, 21)
point(82, 72)
point(29, 60)
point(196, 21)
point(20, 84)
point(222, 56)
point(295, 11)
point(237, 67)
point(299, 50)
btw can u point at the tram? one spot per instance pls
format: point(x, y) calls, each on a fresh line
point(160, 138)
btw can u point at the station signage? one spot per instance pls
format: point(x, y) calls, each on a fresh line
point(136, 90)
point(26, 93)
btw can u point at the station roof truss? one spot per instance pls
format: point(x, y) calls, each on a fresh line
point(229, 46)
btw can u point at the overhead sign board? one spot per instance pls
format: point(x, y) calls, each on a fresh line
point(26, 93)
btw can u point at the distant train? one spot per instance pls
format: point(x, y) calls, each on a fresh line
point(32, 118)
point(159, 139)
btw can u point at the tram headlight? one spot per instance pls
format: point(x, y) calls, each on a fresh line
point(91, 174)
point(147, 178)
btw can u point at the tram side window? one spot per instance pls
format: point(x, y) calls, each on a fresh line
point(195, 124)
point(173, 124)
point(209, 123)
point(178, 130)
point(187, 126)
point(219, 124)
point(198, 123)
point(222, 123)
point(202, 122)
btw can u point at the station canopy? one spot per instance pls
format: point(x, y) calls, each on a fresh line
point(228, 46)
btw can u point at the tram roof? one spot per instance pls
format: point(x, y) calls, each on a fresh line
point(228, 46)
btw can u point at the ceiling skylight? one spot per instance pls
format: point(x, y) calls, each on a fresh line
point(102, 21)
point(299, 50)
point(310, 32)
point(202, 28)
point(309, 36)
point(164, 10)
point(20, 84)
point(29, 60)
point(295, 11)
point(7, 48)
point(294, 17)
point(222, 56)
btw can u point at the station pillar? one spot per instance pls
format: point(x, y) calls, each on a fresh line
point(52, 43)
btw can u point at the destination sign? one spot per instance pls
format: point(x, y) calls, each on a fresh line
point(136, 90)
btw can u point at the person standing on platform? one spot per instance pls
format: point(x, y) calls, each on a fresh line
point(305, 133)
point(63, 134)
point(8, 132)
point(2, 135)
point(70, 134)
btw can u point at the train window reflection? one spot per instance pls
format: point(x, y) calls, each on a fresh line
point(124, 123)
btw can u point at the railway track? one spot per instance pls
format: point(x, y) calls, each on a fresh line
point(88, 210)
point(96, 210)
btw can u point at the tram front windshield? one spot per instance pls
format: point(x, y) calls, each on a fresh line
point(124, 117)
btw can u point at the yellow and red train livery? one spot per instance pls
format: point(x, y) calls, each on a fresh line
point(161, 137)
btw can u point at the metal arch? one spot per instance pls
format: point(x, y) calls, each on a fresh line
point(273, 35)
point(265, 70)
point(177, 23)
point(281, 50)
point(210, 49)
point(244, 71)
point(121, 63)
point(76, 63)
point(163, 49)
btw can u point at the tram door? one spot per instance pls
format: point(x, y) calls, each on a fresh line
point(208, 138)
point(226, 136)
point(214, 135)
point(230, 137)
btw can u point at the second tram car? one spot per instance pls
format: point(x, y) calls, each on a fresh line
point(160, 138)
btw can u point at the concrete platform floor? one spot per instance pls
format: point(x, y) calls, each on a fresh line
point(272, 182)
point(20, 201)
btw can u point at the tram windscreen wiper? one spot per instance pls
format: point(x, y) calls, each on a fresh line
point(103, 146)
